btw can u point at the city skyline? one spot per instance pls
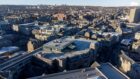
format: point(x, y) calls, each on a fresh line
point(69, 39)
point(73, 2)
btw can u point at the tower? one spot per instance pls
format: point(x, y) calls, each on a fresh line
point(134, 15)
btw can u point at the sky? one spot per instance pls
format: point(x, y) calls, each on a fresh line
point(73, 2)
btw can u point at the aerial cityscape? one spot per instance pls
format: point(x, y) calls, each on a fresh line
point(69, 39)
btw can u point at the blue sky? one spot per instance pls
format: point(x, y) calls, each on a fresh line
point(73, 2)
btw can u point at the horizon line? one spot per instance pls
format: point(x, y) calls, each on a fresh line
point(64, 5)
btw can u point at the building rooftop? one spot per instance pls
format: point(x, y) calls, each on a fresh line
point(111, 33)
point(104, 71)
point(126, 41)
point(8, 49)
point(59, 44)
point(111, 72)
point(133, 24)
point(69, 45)
point(64, 55)
point(1, 37)
point(88, 73)
point(27, 24)
point(3, 22)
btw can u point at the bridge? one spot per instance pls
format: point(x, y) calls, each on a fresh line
point(13, 62)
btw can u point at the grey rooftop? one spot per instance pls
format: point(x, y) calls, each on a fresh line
point(88, 73)
point(111, 72)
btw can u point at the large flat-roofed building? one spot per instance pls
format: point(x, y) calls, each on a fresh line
point(104, 71)
point(69, 53)
point(134, 15)
point(67, 44)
